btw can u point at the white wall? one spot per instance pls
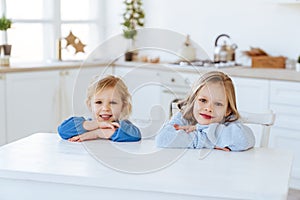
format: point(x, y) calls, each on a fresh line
point(257, 23)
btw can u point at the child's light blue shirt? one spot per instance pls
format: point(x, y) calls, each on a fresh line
point(234, 135)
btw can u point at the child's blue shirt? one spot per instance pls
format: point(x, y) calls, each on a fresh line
point(73, 126)
point(234, 135)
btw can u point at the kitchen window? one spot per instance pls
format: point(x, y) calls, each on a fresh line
point(37, 25)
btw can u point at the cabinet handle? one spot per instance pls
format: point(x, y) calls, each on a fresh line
point(2, 76)
point(64, 73)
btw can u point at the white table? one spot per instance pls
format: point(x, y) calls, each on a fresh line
point(42, 166)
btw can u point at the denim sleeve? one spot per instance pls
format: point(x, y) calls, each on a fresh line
point(127, 132)
point(71, 127)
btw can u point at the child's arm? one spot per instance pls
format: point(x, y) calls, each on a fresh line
point(71, 127)
point(233, 135)
point(127, 132)
point(100, 133)
point(172, 136)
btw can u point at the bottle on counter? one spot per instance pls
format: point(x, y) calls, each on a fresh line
point(187, 52)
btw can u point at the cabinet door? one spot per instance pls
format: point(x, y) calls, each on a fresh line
point(2, 110)
point(67, 79)
point(145, 89)
point(285, 102)
point(252, 95)
point(32, 103)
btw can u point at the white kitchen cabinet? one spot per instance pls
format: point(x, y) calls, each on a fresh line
point(285, 102)
point(31, 103)
point(2, 110)
point(145, 89)
point(252, 95)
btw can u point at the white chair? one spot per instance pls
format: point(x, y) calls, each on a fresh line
point(260, 123)
point(264, 120)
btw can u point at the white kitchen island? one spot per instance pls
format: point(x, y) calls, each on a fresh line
point(43, 166)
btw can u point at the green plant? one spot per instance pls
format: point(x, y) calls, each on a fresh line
point(298, 59)
point(5, 23)
point(133, 18)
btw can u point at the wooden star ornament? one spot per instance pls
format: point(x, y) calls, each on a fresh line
point(70, 39)
point(79, 46)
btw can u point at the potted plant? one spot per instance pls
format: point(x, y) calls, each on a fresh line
point(5, 24)
point(133, 18)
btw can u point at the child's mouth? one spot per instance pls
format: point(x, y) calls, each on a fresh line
point(206, 116)
point(105, 117)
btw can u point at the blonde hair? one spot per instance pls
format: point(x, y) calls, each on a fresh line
point(111, 82)
point(187, 104)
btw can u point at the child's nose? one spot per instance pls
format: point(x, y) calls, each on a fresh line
point(209, 107)
point(106, 107)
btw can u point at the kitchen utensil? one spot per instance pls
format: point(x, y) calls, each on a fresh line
point(224, 52)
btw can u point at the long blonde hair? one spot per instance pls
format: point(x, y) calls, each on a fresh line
point(187, 104)
point(111, 82)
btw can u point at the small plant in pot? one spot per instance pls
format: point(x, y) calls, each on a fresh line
point(133, 18)
point(5, 24)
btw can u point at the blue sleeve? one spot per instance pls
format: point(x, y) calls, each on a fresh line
point(71, 127)
point(234, 135)
point(169, 137)
point(127, 132)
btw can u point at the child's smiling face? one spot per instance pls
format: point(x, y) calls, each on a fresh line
point(107, 105)
point(211, 104)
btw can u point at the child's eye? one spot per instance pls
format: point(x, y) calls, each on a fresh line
point(218, 104)
point(98, 102)
point(202, 100)
point(113, 102)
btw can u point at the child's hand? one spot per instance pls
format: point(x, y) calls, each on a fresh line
point(187, 129)
point(85, 136)
point(108, 125)
point(223, 149)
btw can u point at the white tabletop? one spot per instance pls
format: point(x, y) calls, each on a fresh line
point(140, 167)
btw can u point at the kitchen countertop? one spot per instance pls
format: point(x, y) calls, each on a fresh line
point(238, 71)
point(43, 166)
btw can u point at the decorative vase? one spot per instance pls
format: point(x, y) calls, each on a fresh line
point(6, 49)
point(131, 53)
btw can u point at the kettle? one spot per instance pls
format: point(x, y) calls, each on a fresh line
point(224, 52)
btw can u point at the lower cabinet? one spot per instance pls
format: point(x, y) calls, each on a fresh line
point(31, 103)
point(2, 110)
point(252, 95)
point(145, 90)
point(285, 102)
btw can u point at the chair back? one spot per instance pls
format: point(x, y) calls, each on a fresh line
point(261, 124)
